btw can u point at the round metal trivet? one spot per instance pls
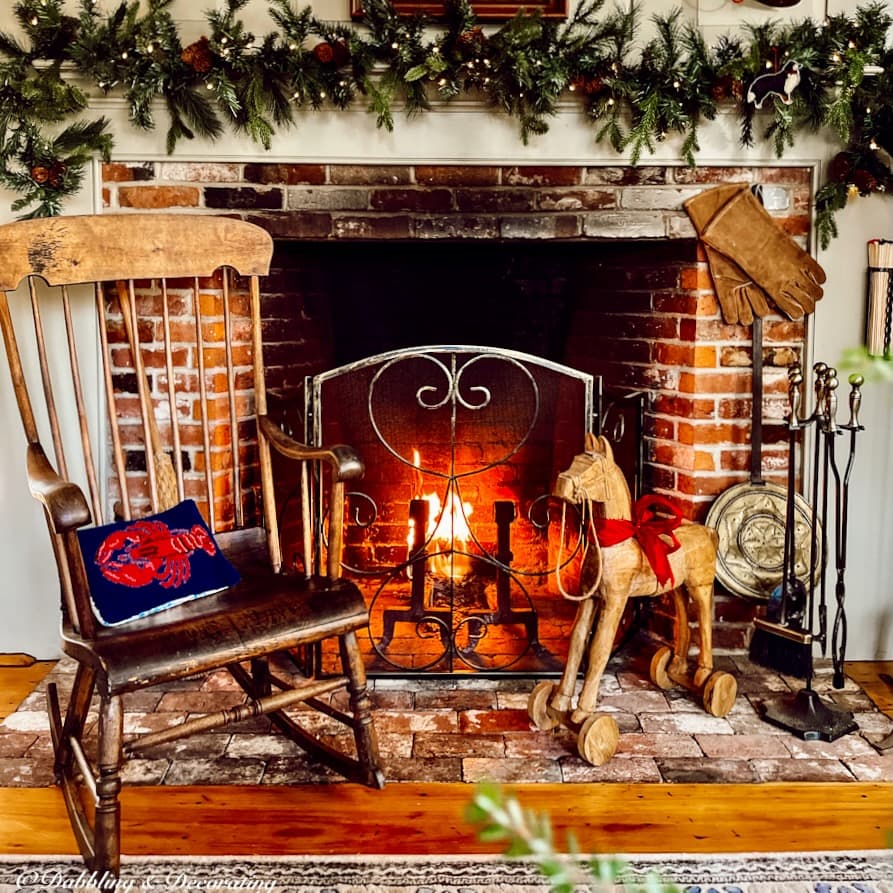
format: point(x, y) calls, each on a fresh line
point(750, 522)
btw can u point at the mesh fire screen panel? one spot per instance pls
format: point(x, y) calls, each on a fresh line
point(452, 533)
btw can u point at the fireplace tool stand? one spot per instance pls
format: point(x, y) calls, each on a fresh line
point(804, 713)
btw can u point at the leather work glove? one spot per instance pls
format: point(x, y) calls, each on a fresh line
point(740, 298)
point(743, 231)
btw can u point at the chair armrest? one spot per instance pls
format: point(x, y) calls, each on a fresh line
point(346, 463)
point(65, 504)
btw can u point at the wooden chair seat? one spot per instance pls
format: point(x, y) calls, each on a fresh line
point(250, 619)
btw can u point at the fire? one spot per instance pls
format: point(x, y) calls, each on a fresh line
point(451, 526)
point(447, 531)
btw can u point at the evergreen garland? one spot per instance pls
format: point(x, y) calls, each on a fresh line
point(230, 79)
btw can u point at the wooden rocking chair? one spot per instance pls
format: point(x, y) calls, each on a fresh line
point(171, 304)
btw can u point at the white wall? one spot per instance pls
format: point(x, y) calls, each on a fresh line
point(466, 132)
point(29, 588)
point(839, 322)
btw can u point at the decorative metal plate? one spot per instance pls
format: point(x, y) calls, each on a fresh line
point(750, 521)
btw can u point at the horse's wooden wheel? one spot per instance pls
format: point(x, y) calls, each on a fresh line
point(657, 672)
point(538, 709)
point(719, 693)
point(598, 739)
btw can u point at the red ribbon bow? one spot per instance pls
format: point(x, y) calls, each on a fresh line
point(654, 520)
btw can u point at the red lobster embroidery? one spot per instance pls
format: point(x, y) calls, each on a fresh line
point(146, 551)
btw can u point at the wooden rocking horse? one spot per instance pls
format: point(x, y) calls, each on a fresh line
point(612, 574)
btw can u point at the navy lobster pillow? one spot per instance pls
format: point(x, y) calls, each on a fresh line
point(136, 568)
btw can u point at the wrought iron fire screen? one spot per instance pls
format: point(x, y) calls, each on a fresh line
point(451, 532)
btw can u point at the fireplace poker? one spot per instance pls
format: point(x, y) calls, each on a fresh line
point(841, 515)
point(793, 590)
point(819, 498)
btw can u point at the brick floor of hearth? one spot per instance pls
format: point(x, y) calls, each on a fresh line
point(473, 729)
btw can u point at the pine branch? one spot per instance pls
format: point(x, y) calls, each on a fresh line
point(48, 28)
point(781, 131)
point(295, 26)
point(84, 138)
point(830, 198)
point(46, 171)
point(523, 68)
point(612, 132)
point(664, 101)
point(380, 98)
point(640, 136)
point(191, 112)
point(274, 78)
point(499, 817)
point(400, 43)
point(239, 82)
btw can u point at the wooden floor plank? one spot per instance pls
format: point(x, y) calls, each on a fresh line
point(874, 678)
point(428, 819)
point(19, 673)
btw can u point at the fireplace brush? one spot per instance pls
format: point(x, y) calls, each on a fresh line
point(804, 713)
point(783, 640)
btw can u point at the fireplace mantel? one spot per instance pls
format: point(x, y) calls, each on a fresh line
point(457, 132)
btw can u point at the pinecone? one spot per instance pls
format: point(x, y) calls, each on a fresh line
point(342, 53)
point(198, 56)
point(865, 181)
point(39, 174)
point(839, 168)
point(727, 87)
point(593, 86)
point(721, 89)
point(56, 174)
point(472, 40)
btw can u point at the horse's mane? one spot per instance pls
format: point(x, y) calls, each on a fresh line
point(619, 502)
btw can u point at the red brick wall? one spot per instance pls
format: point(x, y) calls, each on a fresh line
point(649, 321)
point(149, 307)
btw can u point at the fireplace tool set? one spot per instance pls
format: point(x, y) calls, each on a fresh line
point(797, 614)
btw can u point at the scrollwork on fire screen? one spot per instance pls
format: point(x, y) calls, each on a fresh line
point(449, 533)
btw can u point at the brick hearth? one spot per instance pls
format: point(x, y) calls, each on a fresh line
point(475, 729)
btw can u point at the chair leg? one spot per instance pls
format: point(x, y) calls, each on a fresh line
point(361, 708)
point(260, 678)
point(75, 717)
point(108, 786)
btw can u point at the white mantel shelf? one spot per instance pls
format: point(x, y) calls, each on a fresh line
point(457, 132)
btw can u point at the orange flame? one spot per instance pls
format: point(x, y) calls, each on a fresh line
point(447, 530)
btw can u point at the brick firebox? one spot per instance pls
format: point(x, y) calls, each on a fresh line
point(644, 316)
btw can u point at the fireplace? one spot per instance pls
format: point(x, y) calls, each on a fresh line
point(592, 268)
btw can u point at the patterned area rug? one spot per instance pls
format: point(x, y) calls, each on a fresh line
point(862, 872)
